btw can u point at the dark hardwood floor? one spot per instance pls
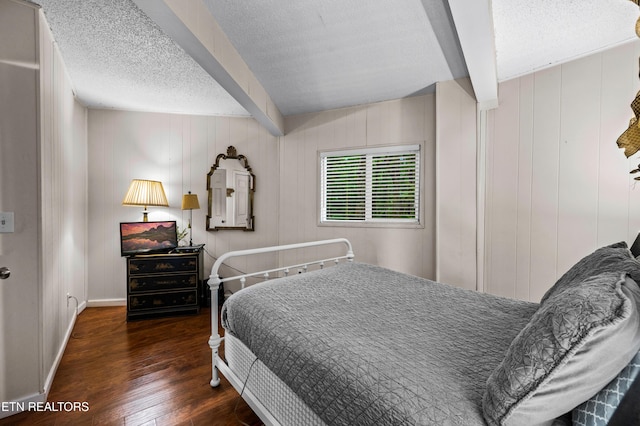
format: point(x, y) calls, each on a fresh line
point(149, 372)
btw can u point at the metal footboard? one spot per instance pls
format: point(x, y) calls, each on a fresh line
point(215, 281)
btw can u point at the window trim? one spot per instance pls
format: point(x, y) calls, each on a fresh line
point(372, 222)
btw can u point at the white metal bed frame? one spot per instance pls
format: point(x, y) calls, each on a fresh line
point(219, 365)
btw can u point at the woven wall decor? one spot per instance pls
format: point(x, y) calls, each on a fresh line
point(630, 138)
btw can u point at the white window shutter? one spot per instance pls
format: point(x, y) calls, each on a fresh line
point(372, 185)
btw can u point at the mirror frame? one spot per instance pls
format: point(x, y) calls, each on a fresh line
point(231, 154)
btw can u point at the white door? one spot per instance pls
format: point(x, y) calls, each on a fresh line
point(19, 194)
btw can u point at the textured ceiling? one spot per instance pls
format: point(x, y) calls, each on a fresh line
point(312, 56)
point(531, 35)
point(317, 55)
point(118, 58)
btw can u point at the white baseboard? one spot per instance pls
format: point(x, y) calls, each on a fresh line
point(54, 368)
point(28, 402)
point(99, 303)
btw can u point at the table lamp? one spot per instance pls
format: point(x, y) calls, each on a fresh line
point(190, 202)
point(145, 193)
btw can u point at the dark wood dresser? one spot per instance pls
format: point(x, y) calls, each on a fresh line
point(163, 284)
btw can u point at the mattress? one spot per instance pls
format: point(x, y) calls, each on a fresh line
point(274, 395)
point(364, 345)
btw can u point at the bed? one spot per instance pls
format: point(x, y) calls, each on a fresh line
point(335, 341)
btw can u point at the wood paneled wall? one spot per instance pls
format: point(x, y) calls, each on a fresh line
point(557, 185)
point(177, 150)
point(456, 184)
point(397, 122)
point(63, 192)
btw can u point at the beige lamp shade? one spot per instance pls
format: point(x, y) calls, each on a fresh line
point(145, 193)
point(190, 201)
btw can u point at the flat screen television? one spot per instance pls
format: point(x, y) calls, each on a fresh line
point(147, 237)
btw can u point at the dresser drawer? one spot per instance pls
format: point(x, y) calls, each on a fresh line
point(162, 265)
point(142, 283)
point(172, 299)
point(163, 284)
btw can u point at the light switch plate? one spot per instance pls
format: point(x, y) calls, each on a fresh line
point(6, 222)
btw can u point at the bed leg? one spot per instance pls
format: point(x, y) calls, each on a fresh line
point(214, 343)
point(215, 339)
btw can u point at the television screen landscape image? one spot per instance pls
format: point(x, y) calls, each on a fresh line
point(147, 237)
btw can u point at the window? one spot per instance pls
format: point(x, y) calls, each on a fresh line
point(371, 185)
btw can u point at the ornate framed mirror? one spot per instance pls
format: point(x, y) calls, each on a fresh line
point(230, 185)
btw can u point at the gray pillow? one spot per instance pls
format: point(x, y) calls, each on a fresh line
point(578, 341)
point(613, 258)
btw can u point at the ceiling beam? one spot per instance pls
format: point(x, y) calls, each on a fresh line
point(192, 27)
point(474, 24)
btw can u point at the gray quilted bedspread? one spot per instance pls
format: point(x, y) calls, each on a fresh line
point(363, 345)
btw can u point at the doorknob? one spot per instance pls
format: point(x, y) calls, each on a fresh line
point(4, 273)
